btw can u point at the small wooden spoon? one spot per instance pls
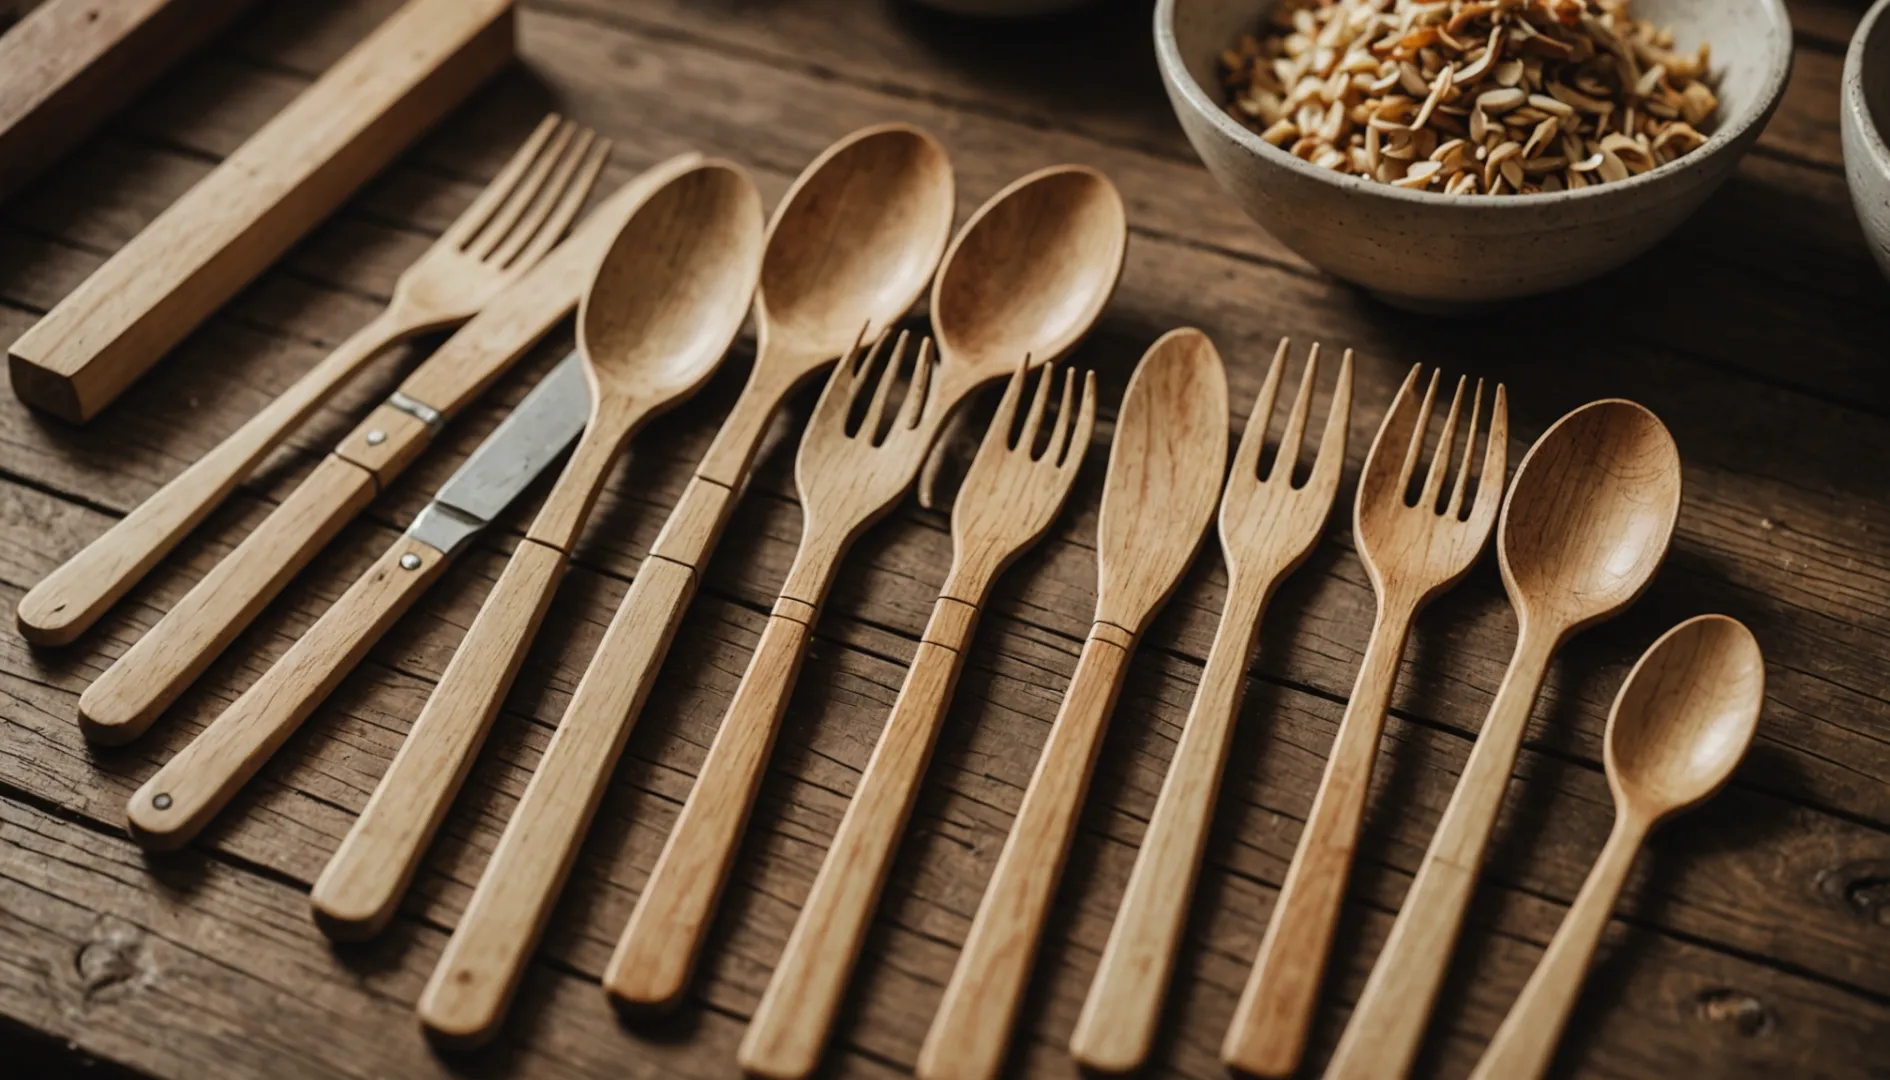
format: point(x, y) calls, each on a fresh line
point(1680, 726)
point(1163, 483)
point(1586, 524)
point(668, 299)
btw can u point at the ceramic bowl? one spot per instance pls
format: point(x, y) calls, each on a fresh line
point(1430, 251)
point(1865, 103)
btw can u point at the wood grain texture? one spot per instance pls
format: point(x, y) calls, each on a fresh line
point(1744, 945)
point(67, 65)
point(398, 82)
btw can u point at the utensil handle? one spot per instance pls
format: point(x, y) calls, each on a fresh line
point(466, 998)
point(658, 949)
point(1268, 1035)
point(173, 806)
point(969, 1035)
point(70, 599)
point(1387, 1026)
point(124, 701)
point(361, 886)
point(1117, 1024)
point(1525, 1043)
point(790, 1027)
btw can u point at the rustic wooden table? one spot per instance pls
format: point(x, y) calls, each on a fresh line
point(1755, 938)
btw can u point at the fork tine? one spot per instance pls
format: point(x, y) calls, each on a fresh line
point(495, 230)
point(843, 383)
point(1027, 441)
point(1288, 457)
point(1085, 426)
point(1005, 417)
point(579, 190)
point(887, 376)
point(548, 197)
point(918, 401)
point(1492, 480)
point(1469, 452)
point(1060, 435)
point(1440, 462)
point(1254, 437)
point(474, 217)
point(1331, 456)
point(1416, 444)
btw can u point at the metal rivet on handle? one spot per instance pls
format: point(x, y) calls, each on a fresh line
point(162, 801)
point(376, 437)
point(410, 561)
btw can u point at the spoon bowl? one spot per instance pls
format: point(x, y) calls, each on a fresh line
point(1030, 272)
point(1685, 716)
point(1590, 514)
point(670, 293)
point(855, 240)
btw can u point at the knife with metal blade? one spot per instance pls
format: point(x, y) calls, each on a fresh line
point(173, 806)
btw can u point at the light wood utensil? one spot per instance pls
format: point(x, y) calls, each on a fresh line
point(216, 609)
point(69, 64)
point(1163, 482)
point(853, 243)
point(205, 247)
point(1025, 278)
point(506, 230)
point(1587, 522)
point(1414, 549)
point(847, 479)
point(667, 301)
point(1268, 525)
point(1005, 504)
point(1678, 729)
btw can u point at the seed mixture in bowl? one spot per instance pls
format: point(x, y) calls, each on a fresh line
point(1471, 97)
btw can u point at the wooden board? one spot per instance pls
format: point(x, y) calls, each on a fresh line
point(1751, 940)
point(73, 63)
point(308, 159)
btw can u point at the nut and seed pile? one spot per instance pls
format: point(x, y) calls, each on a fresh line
point(1471, 96)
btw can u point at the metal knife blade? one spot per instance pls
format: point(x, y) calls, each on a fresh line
point(518, 450)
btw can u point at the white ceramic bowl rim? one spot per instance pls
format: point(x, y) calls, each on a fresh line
point(1854, 99)
point(1168, 54)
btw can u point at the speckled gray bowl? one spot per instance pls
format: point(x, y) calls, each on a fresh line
point(1429, 251)
point(1865, 103)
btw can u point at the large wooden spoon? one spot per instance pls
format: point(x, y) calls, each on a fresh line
point(1586, 524)
point(1163, 483)
point(851, 246)
point(1680, 726)
point(668, 299)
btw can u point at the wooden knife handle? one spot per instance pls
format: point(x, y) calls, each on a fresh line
point(174, 805)
point(361, 886)
point(789, 1029)
point(1117, 1025)
point(968, 1037)
point(658, 949)
point(1268, 1035)
point(471, 987)
point(71, 598)
point(1382, 1038)
point(130, 695)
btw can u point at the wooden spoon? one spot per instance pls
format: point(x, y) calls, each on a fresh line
point(1586, 524)
point(1163, 483)
point(667, 300)
point(853, 244)
point(1680, 726)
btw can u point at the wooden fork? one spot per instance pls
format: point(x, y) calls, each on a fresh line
point(1007, 501)
point(1268, 527)
point(506, 230)
point(847, 479)
point(1414, 550)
